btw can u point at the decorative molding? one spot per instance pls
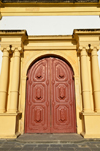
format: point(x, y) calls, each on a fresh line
point(6, 48)
point(49, 9)
point(14, 39)
point(51, 1)
point(94, 47)
point(17, 48)
point(79, 39)
point(84, 39)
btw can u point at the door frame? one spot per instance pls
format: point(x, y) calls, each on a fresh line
point(64, 60)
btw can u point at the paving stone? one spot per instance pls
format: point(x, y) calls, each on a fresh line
point(15, 149)
point(7, 145)
point(95, 149)
point(55, 145)
point(22, 144)
point(53, 149)
point(97, 145)
point(28, 146)
point(18, 146)
point(83, 145)
point(92, 145)
point(40, 149)
point(66, 149)
point(94, 142)
point(27, 149)
point(4, 149)
point(9, 142)
point(1, 142)
point(82, 149)
point(43, 145)
point(70, 145)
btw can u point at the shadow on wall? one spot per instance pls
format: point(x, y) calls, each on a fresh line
point(99, 58)
point(0, 60)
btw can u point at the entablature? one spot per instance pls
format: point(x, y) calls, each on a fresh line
point(87, 38)
point(52, 8)
point(80, 38)
point(12, 39)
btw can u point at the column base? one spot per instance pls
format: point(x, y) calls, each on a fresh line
point(2, 111)
point(97, 111)
point(90, 135)
point(10, 136)
point(9, 125)
point(91, 125)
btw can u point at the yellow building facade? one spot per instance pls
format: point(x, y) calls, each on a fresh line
point(20, 51)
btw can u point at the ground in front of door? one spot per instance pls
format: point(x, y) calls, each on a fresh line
point(14, 145)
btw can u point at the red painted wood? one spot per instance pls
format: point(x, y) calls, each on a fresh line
point(38, 98)
point(50, 103)
point(62, 98)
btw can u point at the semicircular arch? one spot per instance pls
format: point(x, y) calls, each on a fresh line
point(64, 56)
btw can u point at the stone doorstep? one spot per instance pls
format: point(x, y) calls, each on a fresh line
point(53, 138)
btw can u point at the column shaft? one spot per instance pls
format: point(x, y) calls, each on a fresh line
point(85, 82)
point(14, 92)
point(4, 81)
point(96, 79)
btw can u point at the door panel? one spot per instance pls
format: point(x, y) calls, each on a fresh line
point(63, 104)
point(50, 103)
point(38, 99)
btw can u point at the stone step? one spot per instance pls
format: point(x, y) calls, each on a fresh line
point(51, 138)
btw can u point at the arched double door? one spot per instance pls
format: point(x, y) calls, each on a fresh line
point(50, 102)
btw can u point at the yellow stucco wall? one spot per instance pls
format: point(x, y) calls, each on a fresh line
point(80, 50)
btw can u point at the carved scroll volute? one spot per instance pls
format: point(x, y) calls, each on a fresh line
point(38, 115)
point(62, 92)
point(61, 73)
point(62, 115)
point(38, 93)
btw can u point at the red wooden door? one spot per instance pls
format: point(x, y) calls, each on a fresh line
point(50, 103)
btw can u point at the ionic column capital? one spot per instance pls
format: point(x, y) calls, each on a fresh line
point(83, 48)
point(6, 49)
point(17, 49)
point(94, 48)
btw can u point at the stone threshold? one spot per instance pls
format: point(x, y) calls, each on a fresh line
point(51, 138)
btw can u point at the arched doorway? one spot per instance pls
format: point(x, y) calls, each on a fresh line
point(50, 101)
